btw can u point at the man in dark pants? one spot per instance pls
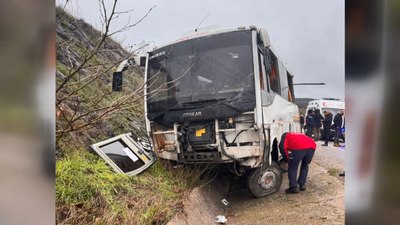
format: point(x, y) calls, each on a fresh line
point(327, 123)
point(309, 123)
point(337, 125)
point(301, 123)
point(317, 124)
point(296, 148)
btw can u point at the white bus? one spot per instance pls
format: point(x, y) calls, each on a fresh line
point(221, 96)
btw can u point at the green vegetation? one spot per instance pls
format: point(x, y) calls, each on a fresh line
point(89, 192)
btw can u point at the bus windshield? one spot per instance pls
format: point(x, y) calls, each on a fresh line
point(212, 68)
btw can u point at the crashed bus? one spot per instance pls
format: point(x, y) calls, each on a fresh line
point(221, 96)
point(214, 96)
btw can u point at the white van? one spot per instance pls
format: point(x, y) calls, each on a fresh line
point(331, 104)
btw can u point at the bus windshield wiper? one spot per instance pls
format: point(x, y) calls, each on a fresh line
point(230, 105)
point(204, 101)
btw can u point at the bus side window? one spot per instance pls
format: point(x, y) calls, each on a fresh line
point(274, 78)
point(290, 89)
point(263, 80)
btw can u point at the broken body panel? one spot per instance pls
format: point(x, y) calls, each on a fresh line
point(124, 154)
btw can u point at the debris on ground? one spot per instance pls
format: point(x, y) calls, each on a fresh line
point(220, 219)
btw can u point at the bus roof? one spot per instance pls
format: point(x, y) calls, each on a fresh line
point(206, 31)
point(215, 29)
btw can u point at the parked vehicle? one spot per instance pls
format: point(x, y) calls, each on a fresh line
point(331, 104)
point(334, 106)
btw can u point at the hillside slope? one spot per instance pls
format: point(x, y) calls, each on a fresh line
point(75, 41)
point(87, 190)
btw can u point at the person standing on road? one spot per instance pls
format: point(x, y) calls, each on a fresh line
point(342, 128)
point(327, 124)
point(317, 124)
point(302, 123)
point(309, 123)
point(337, 125)
point(296, 148)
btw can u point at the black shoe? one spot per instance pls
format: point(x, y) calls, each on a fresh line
point(325, 144)
point(302, 187)
point(292, 190)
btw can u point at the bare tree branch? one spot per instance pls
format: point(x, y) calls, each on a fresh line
point(127, 27)
point(86, 71)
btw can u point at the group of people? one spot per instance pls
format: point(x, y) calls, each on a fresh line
point(313, 122)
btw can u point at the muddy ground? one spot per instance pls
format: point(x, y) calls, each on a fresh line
point(321, 203)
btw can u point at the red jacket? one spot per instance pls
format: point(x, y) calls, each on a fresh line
point(291, 141)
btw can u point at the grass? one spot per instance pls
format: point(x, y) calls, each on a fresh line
point(89, 192)
point(82, 178)
point(334, 172)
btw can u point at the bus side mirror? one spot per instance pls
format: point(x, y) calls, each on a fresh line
point(117, 81)
point(124, 65)
point(117, 75)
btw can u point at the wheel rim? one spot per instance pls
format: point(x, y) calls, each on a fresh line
point(267, 180)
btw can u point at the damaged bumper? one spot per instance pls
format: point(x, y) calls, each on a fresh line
point(210, 141)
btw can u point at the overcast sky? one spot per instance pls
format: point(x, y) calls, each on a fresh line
point(308, 35)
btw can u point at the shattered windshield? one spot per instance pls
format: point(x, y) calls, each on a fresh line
point(211, 68)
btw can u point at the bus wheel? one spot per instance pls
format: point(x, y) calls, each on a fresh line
point(265, 183)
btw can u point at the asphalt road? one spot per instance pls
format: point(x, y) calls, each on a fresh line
point(322, 202)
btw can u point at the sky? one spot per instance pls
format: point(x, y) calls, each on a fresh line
point(308, 35)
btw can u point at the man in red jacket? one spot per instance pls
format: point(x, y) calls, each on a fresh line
point(296, 148)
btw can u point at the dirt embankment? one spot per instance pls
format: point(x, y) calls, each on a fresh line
point(202, 206)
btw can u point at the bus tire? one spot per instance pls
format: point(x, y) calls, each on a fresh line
point(272, 177)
